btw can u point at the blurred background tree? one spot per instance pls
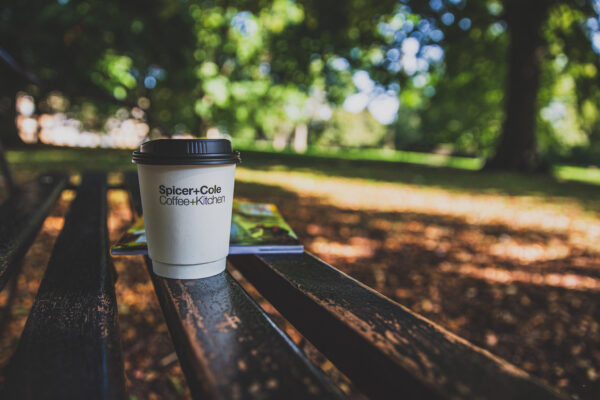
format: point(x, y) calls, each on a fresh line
point(510, 84)
point(509, 81)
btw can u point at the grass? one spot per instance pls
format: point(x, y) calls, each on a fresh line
point(73, 160)
point(409, 157)
point(572, 185)
point(577, 174)
point(369, 163)
point(447, 172)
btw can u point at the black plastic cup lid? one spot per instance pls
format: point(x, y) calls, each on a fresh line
point(186, 152)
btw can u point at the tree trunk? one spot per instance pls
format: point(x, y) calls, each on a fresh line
point(301, 138)
point(516, 150)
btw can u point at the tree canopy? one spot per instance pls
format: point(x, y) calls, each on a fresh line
point(431, 72)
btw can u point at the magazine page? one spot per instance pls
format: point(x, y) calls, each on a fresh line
point(133, 241)
point(253, 224)
point(255, 228)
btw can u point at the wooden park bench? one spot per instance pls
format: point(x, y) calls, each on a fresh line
point(227, 345)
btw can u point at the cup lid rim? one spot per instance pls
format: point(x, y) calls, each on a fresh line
point(200, 151)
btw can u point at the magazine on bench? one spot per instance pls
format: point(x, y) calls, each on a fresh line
point(256, 228)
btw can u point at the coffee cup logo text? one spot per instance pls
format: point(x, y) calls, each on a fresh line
point(190, 196)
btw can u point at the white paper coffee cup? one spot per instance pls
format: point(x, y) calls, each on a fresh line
point(186, 187)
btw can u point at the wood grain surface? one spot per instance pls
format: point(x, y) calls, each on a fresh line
point(70, 346)
point(387, 350)
point(228, 346)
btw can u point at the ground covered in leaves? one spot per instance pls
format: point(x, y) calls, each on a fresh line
point(509, 263)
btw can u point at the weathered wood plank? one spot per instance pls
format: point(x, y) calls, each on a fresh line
point(228, 347)
point(384, 348)
point(70, 346)
point(21, 217)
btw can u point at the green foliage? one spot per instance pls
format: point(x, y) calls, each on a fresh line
point(471, 85)
point(347, 130)
point(568, 119)
point(256, 69)
point(467, 108)
point(247, 67)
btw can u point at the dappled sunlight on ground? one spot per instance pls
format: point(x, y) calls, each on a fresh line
point(355, 248)
point(524, 212)
point(516, 274)
point(526, 253)
point(491, 274)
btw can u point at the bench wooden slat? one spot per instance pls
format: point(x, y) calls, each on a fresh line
point(228, 347)
point(383, 347)
point(70, 346)
point(21, 217)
